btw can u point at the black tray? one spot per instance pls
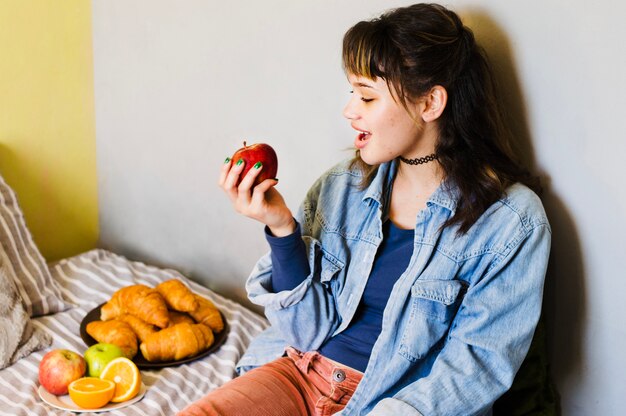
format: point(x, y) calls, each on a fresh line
point(94, 315)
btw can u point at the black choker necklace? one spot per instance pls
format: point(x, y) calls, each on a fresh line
point(419, 160)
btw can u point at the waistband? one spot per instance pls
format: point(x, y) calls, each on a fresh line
point(335, 372)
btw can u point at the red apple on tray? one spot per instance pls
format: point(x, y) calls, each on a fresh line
point(58, 368)
point(258, 152)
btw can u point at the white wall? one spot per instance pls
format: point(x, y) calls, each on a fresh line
point(179, 85)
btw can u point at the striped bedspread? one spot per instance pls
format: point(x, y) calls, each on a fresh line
point(90, 279)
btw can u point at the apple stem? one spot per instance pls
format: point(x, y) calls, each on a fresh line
point(244, 143)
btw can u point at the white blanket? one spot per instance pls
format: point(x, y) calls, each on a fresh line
point(89, 280)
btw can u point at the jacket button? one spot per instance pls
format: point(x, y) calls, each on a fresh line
point(339, 375)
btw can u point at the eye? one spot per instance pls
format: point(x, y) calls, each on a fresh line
point(365, 100)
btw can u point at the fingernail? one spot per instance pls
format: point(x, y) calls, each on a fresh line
point(226, 160)
point(257, 165)
point(239, 162)
point(276, 179)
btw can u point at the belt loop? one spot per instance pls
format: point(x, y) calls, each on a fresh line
point(304, 363)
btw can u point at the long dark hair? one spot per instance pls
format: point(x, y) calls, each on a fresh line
point(417, 47)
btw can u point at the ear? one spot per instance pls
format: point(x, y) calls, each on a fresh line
point(434, 103)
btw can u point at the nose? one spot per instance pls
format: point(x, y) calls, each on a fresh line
point(350, 111)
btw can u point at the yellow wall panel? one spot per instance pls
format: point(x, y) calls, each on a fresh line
point(47, 121)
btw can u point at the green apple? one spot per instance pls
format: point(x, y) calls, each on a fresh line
point(99, 355)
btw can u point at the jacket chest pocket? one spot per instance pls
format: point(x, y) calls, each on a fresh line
point(330, 266)
point(433, 305)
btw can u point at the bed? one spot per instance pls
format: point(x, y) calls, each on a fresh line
point(57, 296)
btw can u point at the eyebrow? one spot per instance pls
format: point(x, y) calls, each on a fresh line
point(362, 84)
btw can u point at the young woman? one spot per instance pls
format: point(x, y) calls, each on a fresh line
point(410, 281)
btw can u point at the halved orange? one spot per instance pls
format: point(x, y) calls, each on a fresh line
point(126, 376)
point(91, 392)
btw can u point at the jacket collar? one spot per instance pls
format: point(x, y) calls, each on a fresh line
point(377, 189)
point(445, 195)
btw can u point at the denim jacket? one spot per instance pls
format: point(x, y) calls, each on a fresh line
point(459, 320)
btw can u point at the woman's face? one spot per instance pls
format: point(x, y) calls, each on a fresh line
point(384, 128)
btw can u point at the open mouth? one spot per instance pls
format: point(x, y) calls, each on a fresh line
point(362, 138)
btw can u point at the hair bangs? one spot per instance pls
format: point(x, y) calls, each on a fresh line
point(362, 48)
point(369, 52)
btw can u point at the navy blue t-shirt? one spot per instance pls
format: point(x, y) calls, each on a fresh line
point(352, 346)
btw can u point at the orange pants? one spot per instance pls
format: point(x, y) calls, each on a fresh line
point(298, 384)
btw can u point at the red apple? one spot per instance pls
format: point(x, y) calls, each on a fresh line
point(259, 152)
point(58, 368)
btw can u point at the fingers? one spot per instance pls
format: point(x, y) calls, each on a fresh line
point(259, 191)
point(247, 182)
point(231, 178)
point(260, 202)
point(224, 172)
point(241, 193)
point(246, 189)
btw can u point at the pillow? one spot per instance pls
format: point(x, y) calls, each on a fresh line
point(18, 336)
point(40, 294)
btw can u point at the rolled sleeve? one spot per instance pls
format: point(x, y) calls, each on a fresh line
point(260, 288)
point(306, 315)
point(290, 265)
point(393, 407)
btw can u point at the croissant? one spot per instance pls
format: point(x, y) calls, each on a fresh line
point(177, 296)
point(140, 327)
point(207, 314)
point(139, 300)
point(114, 332)
point(180, 317)
point(177, 342)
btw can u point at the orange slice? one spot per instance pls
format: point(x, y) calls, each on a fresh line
point(126, 376)
point(91, 392)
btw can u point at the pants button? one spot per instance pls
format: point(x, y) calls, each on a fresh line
point(339, 375)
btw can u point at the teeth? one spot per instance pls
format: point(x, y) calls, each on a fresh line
point(361, 131)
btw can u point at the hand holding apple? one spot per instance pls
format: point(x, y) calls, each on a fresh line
point(258, 200)
point(99, 355)
point(258, 152)
point(58, 368)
